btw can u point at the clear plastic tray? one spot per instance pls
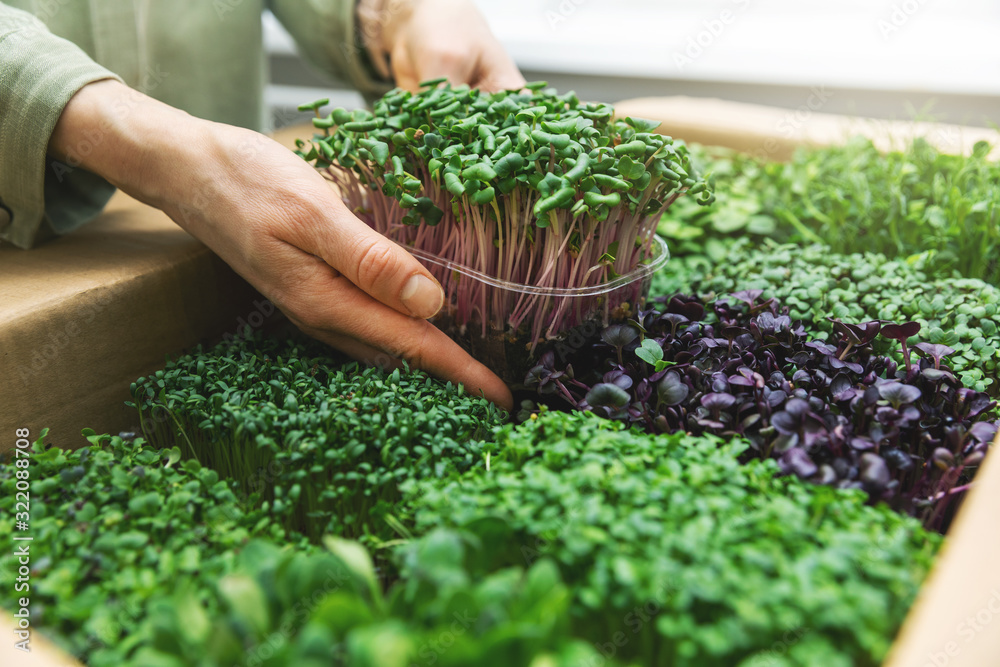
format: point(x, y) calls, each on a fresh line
point(502, 323)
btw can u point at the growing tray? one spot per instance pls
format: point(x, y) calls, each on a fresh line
point(955, 620)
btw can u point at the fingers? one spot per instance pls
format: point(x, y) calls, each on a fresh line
point(370, 261)
point(452, 62)
point(497, 71)
point(487, 386)
point(328, 307)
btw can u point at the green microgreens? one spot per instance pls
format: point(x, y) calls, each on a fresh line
point(528, 187)
point(321, 444)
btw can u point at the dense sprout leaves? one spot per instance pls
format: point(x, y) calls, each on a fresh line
point(321, 444)
point(115, 522)
point(475, 144)
point(698, 559)
point(909, 203)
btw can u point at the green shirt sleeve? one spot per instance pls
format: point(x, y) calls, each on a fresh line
point(39, 73)
point(326, 33)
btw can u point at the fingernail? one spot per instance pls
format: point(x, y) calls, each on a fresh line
point(422, 296)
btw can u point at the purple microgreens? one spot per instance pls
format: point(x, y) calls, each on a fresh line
point(608, 397)
point(874, 473)
point(618, 336)
point(898, 393)
point(902, 333)
point(935, 352)
point(854, 334)
point(836, 416)
point(671, 389)
point(674, 319)
point(749, 297)
point(796, 461)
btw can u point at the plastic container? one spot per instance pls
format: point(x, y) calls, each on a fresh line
point(504, 325)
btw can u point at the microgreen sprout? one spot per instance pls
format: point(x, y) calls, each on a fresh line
point(530, 187)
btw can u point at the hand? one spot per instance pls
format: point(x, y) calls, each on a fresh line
point(277, 223)
point(427, 39)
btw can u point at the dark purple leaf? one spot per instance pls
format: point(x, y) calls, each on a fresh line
point(873, 473)
point(821, 347)
point(802, 377)
point(786, 423)
point(733, 332)
point(898, 393)
point(747, 296)
point(607, 395)
point(674, 320)
point(619, 335)
point(841, 388)
point(901, 332)
point(976, 402)
point(618, 378)
point(857, 334)
point(937, 375)
point(983, 431)
point(850, 365)
point(897, 459)
point(797, 407)
point(935, 352)
point(672, 390)
point(797, 462)
point(862, 444)
point(720, 383)
point(776, 397)
point(717, 401)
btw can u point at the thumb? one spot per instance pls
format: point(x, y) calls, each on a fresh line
point(378, 266)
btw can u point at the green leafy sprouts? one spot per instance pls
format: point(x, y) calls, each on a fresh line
point(322, 445)
point(530, 187)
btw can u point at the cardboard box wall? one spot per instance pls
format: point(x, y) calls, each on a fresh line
point(87, 314)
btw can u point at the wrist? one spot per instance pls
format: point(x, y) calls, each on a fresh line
point(127, 138)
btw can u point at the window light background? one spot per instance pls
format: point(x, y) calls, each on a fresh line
point(936, 59)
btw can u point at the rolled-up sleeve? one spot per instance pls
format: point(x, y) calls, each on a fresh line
point(326, 33)
point(39, 73)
